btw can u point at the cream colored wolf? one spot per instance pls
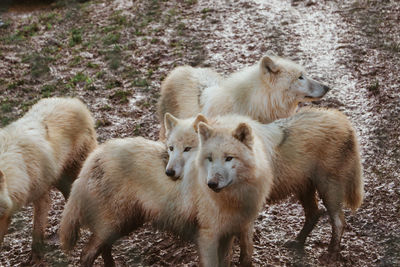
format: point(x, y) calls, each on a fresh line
point(122, 185)
point(44, 148)
point(315, 150)
point(266, 91)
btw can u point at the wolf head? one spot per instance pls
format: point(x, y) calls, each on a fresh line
point(182, 142)
point(225, 157)
point(5, 201)
point(287, 76)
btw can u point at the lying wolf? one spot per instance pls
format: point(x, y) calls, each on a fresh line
point(266, 91)
point(44, 148)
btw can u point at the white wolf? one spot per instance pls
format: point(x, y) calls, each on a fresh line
point(266, 91)
point(44, 148)
point(122, 185)
point(316, 150)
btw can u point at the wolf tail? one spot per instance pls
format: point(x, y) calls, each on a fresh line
point(355, 185)
point(71, 219)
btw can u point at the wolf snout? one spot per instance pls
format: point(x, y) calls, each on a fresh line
point(326, 88)
point(170, 172)
point(213, 184)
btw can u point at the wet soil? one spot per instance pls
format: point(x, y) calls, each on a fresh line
point(114, 54)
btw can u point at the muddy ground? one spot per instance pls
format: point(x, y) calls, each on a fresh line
point(114, 55)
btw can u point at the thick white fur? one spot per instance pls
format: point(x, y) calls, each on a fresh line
point(123, 184)
point(44, 148)
point(269, 90)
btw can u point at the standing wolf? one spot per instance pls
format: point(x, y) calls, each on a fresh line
point(44, 148)
point(122, 185)
point(266, 91)
point(315, 150)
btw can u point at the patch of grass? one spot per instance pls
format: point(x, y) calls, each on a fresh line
point(78, 78)
point(92, 65)
point(29, 30)
point(12, 85)
point(113, 84)
point(21, 34)
point(176, 43)
point(39, 64)
point(119, 19)
point(143, 103)
point(76, 37)
point(5, 121)
point(89, 84)
point(26, 105)
point(113, 57)
point(136, 131)
point(121, 96)
point(374, 88)
point(75, 61)
point(105, 108)
point(181, 28)
point(140, 82)
point(190, 2)
point(100, 74)
point(52, 49)
point(6, 107)
point(5, 24)
point(139, 32)
point(102, 123)
point(109, 28)
point(154, 40)
point(47, 90)
point(48, 19)
point(111, 38)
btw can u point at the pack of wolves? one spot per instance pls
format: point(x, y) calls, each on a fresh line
point(227, 146)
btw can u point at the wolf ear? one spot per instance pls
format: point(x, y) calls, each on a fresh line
point(243, 134)
point(204, 132)
point(200, 118)
point(169, 122)
point(268, 65)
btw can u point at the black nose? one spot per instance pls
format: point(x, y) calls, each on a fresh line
point(212, 184)
point(326, 88)
point(170, 172)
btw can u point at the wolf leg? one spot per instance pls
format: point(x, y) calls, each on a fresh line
point(4, 223)
point(308, 200)
point(338, 224)
point(91, 251)
point(225, 250)
point(68, 176)
point(246, 246)
point(207, 243)
point(40, 212)
point(333, 203)
point(107, 256)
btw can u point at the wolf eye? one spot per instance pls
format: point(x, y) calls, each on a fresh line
point(187, 149)
point(228, 158)
point(171, 148)
point(301, 77)
point(209, 159)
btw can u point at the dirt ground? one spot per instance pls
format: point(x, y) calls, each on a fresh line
point(114, 55)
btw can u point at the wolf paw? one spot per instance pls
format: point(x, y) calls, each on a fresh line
point(294, 244)
point(330, 257)
point(34, 260)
